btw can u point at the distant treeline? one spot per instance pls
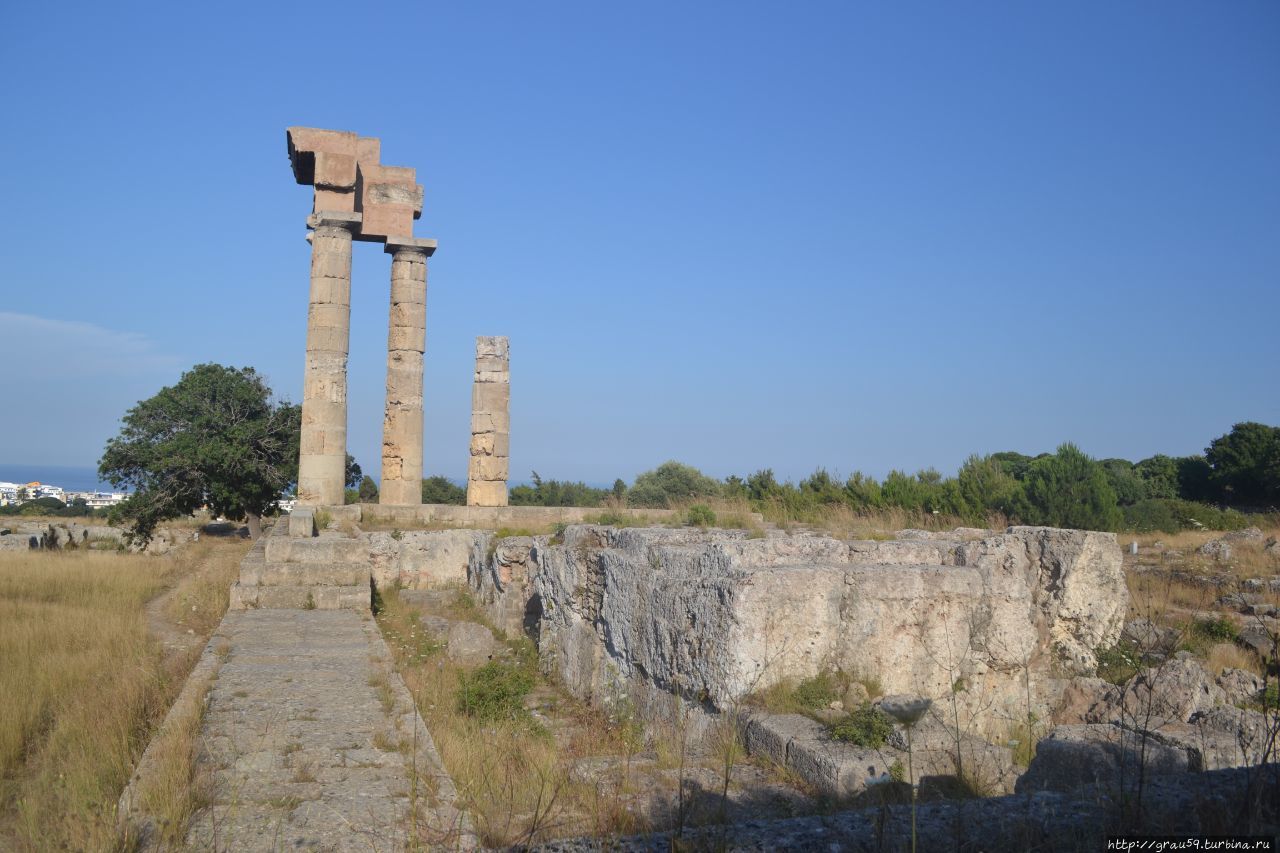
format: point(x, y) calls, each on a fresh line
point(1238, 473)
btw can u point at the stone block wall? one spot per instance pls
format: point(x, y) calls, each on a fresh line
point(713, 616)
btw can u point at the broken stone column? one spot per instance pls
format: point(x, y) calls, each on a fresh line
point(490, 424)
point(322, 460)
point(406, 341)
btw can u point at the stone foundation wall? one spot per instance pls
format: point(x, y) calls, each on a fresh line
point(714, 616)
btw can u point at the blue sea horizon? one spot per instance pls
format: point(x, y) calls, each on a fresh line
point(73, 478)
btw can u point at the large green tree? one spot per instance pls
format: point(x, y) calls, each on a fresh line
point(217, 438)
point(1068, 489)
point(1245, 464)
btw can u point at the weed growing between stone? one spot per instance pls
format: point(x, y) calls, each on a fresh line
point(513, 777)
point(864, 726)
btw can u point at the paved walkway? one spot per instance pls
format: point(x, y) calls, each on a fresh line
point(309, 738)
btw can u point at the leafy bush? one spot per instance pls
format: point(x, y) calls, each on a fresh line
point(1219, 629)
point(439, 490)
point(557, 493)
point(494, 692)
point(1118, 663)
point(865, 726)
point(1151, 515)
point(1171, 516)
point(817, 692)
point(671, 481)
point(700, 515)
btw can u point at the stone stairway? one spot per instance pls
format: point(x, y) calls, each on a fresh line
point(311, 741)
point(309, 738)
point(293, 566)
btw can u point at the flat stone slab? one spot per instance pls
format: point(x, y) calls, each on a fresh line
point(311, 742)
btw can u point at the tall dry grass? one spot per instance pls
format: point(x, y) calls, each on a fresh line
point(81, 687)
point(514, 777)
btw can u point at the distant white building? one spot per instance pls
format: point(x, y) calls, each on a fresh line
point(44, 490)
point(9, 493)
point(96, 500)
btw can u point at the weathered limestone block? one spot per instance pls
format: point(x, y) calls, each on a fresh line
point(1076, 587)
point(714, 616)
point(471, 644)
point(489, 467)
point(1172, 692)
point(325, 159)
point(19, 542)
point(302, 523)
point(422, 559)
point(390, 199)
point(1072, 756)
point(1225, 736)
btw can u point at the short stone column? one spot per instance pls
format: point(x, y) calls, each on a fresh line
point(322, 459)
point(490, 424)
point(406, 341)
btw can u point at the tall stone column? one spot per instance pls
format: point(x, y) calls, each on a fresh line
point(490, 424)
point(406, 341)
point(322, 460)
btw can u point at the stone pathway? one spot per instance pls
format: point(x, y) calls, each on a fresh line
point(312, 742)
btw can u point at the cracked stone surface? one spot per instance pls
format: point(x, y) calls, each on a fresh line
point(310, 741)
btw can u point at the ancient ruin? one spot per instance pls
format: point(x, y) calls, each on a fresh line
point(358, 198)
point(310, 737)
point(489, 465)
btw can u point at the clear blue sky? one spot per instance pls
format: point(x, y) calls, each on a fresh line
point(742, 235)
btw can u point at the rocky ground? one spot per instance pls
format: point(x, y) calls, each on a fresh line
point(1184, 690)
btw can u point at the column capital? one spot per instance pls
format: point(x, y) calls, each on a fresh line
point(334, 218)
point(418, 245)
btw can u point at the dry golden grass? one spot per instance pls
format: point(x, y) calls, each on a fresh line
point(1222, 656)
point(81, 687)
point(513, 777)
point(1165, 599)
point(843, 522)
point(171, 792)
point(1179, 550)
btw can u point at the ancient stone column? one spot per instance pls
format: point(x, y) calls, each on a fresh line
point(490, 424)
point(322, 460)
point(406, 341)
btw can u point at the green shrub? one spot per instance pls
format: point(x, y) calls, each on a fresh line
point(494, 692)
point(1118, 663)
point(556, 493)
point(611, 518)
point(1169, 515)
point(865, 726)
point(1151, 515)
point(700, 515)
point(671, 481)
point(1219, 629)
point(817, 692)
point(439, 490)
